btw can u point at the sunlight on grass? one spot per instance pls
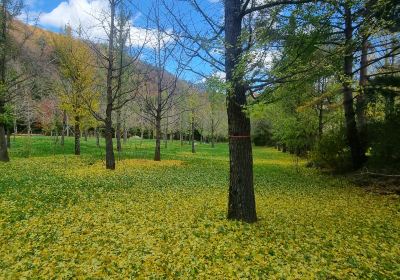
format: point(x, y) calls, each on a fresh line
point(65, 217)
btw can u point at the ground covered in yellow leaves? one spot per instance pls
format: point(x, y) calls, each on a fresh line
point(64, 217)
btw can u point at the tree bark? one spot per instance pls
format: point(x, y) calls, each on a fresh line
point(108, 133)
point(241, 204)
point(157, 153)
point(3, 145)
point(110, 158)
point(77, 132)
point(353, 139)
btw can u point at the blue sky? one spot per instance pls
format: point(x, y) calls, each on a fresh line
point(55, 14)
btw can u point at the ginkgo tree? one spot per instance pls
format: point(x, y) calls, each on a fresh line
point(76, 86)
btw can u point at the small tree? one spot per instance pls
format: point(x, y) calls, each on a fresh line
point(77, 80)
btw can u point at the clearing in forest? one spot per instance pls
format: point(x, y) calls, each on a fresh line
point(66, 216)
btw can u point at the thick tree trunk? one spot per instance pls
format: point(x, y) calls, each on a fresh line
point(77, 132)
point(157, 152)
point(110, 157)
point(353, 139)
point(241, 205)
point(3, 144)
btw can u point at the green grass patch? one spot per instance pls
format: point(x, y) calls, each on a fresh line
point(63, 216)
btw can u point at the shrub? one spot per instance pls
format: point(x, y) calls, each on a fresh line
point(332, 152)
point(384, 138)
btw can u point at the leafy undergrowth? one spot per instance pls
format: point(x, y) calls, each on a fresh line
point(66, 217)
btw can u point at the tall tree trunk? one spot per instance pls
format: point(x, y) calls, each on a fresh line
point(353, 139)
point(3, 145)
point(85, 133)
point(77, 132)
point(64, 127)
point(241, 204)
point(361, 101)
point(110, 158)
point(108, 133)
point(157, 152)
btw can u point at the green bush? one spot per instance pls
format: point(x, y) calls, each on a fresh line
point(332, 152)
point(261, 133)
point(384, 138)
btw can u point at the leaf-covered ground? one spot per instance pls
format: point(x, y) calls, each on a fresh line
point(64, 217)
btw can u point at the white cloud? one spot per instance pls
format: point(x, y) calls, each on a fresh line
point(93, 17)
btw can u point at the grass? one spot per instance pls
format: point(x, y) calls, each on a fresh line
point(64, 217)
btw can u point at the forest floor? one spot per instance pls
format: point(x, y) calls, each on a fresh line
point(63, 216)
